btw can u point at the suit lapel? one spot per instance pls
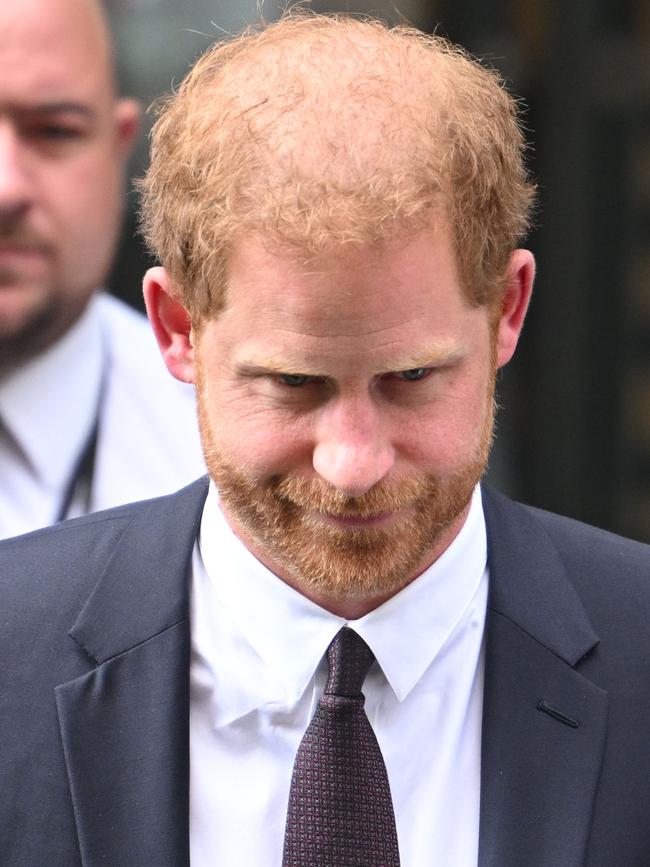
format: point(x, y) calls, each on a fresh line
point(544, 724)
point(125, 724)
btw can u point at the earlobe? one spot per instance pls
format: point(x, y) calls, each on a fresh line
point(514, 303)
point(171, 324)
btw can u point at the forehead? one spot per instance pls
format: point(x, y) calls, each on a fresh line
point(52, 50)
point(376, 306)
point(420, 268)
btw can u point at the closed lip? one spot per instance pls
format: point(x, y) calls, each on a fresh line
point(360, 522)
point(8, 248)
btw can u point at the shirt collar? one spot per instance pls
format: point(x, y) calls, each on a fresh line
point(408, 631)
point(283, 635)
point(48, 405)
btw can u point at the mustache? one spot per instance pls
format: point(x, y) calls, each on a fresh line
point(15, 231)
point(382, 498)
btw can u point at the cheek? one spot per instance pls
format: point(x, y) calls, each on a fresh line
point(444, 436)
point(255, 437)
point(86, 196)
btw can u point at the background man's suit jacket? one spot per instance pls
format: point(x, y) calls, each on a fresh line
point(94, 656)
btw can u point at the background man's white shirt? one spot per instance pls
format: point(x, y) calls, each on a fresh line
point(148, 441)
point(257, 672)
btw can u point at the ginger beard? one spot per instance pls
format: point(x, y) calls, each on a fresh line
point(280, 516)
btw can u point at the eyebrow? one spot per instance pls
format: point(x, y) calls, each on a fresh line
point(60, 107)
point(265, 366)
point(436, 355)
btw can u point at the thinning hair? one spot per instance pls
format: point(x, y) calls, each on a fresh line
point(317, 131)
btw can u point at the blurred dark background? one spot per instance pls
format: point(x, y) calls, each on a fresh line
point(574, 427)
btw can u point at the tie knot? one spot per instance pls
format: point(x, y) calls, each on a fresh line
point(349, 659)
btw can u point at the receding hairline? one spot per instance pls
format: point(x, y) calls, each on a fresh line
point(332, 82)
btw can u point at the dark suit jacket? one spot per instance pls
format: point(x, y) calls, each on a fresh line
point(94, 655)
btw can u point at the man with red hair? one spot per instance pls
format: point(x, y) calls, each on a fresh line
point(341, 648)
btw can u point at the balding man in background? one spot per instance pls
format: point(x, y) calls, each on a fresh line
point(88, 416)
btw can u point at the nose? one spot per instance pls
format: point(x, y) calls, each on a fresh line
point(353, 451)
point(14, 178)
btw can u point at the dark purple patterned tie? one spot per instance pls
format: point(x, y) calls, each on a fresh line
point(340, 809)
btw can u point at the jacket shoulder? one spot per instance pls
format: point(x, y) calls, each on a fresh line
point(610, 573)
point(571, 537)
point(64, 560)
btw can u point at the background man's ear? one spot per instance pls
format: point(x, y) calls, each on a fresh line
point(127, 114)
point(514, 304)
point(171, 324)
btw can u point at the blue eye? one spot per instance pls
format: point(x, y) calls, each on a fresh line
point(415, 373)
point(294, 380)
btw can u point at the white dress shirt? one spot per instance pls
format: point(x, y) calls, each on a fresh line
point(106, 367)
point(257, 673)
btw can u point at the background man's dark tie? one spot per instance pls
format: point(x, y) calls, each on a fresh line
point(340, 808)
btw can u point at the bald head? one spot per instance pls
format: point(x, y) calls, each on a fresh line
point(64, 137)
point(75, 32)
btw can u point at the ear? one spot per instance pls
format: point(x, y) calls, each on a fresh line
point(514, 303)
point(127, 114)
point(171, 324)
